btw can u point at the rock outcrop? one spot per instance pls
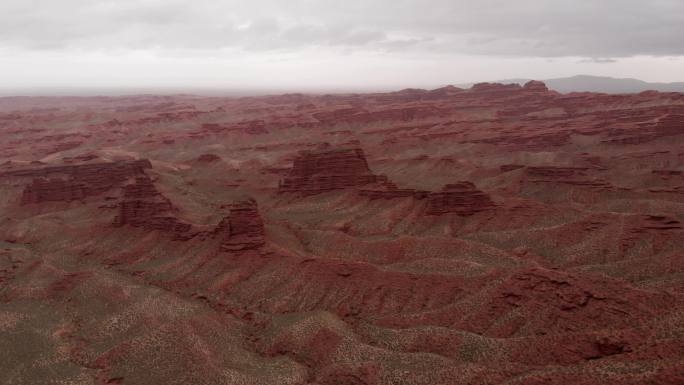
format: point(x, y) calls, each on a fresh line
point(145, 207)
point(663, 229)
point(670, 125)
point(54, 190)
point(315, 172)
point(461, 198)
point(538, 299)
point(496, 89)
point(535, 86)
point(243, 229)
point(68, 183)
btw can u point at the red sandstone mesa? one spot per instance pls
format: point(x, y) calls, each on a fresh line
point(314, 172)
point(535, 86)
point(68, 183)
point(462, 198)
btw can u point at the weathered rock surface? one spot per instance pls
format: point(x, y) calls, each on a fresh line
point(461, 198)
point(144, 206)
point(535, 86)
point(54, 190)
point(496, 89)
point(68, 183)
point(243, 229)
point(545, 301)
point(314, 172)
point(669, 125)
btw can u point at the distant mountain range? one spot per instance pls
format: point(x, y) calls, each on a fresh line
point(588, 83)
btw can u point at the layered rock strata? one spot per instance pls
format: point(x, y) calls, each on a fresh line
point(145, 207)
point(68, 183)
point(461, 198)
point(315, 172)
point(243, 229)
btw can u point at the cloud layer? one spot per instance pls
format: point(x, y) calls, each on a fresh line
point(541, 28)
point(332, 44)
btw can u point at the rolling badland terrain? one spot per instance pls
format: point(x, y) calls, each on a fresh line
point(501, 234)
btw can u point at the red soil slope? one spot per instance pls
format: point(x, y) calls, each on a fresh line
point(503, 234)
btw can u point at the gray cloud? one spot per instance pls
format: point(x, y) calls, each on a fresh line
point(532, 28)
point(598, 60)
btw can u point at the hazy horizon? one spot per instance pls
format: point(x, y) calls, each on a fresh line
point(325, 46)
point(94, 91)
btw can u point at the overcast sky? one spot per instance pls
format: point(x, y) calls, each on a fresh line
point(332, 44)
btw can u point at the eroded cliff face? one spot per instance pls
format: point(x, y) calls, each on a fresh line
point(314, 172)
point(462, 198)
point(669, 125)
point(142, 205)
point(242, 229)
point(76, 182)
